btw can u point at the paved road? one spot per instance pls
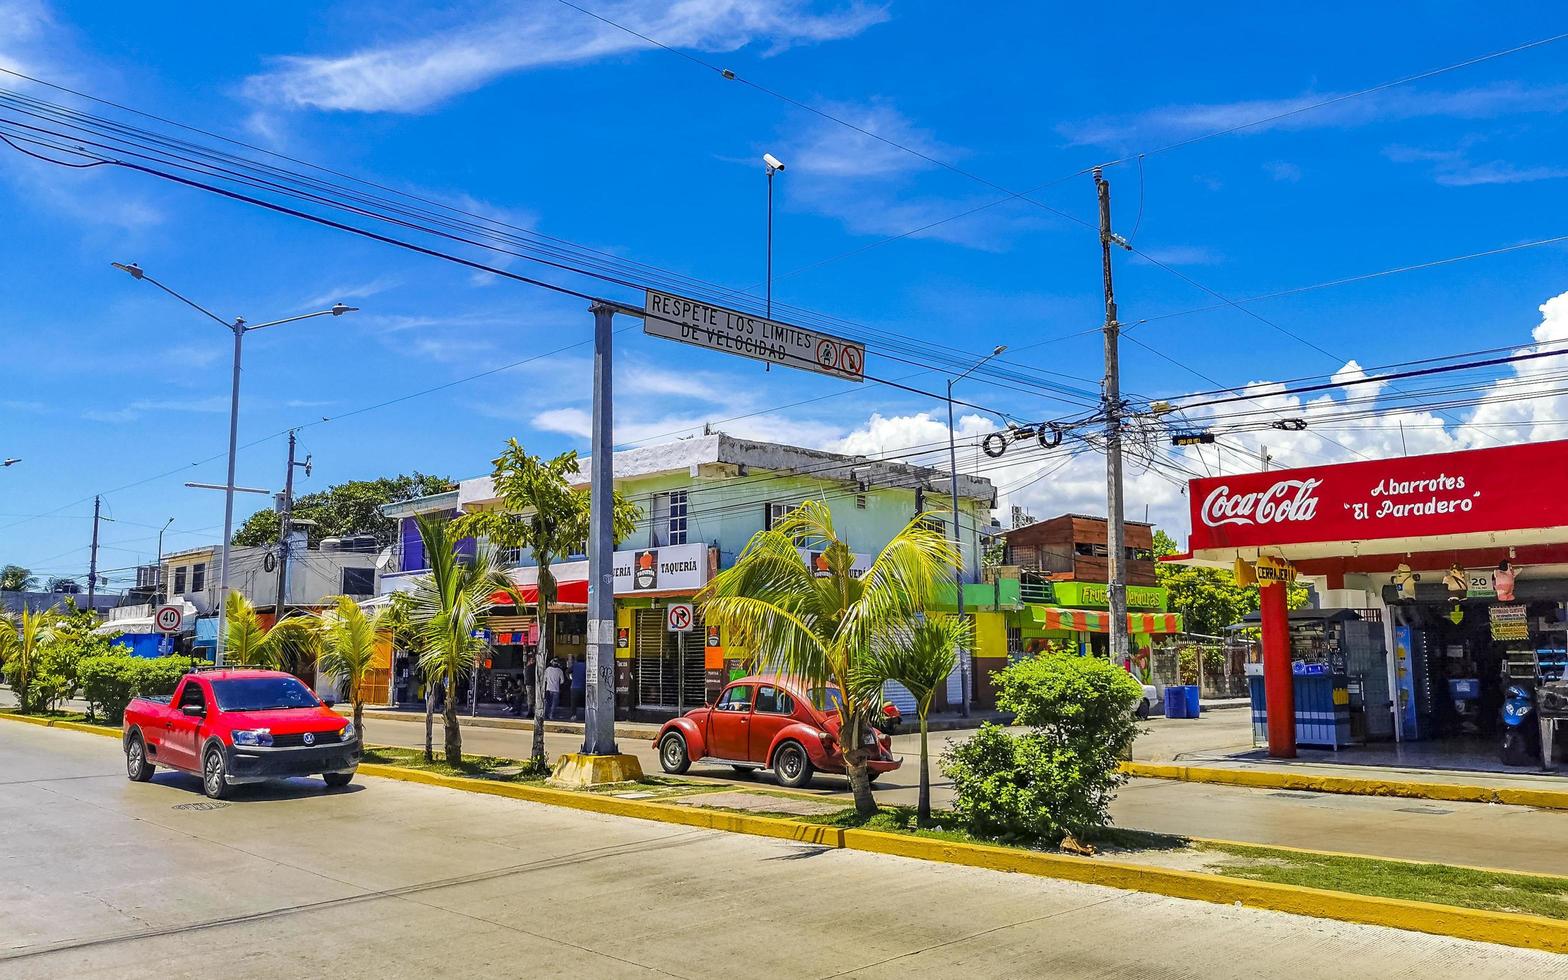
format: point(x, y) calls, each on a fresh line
point(1516, 838)
point(104, 877)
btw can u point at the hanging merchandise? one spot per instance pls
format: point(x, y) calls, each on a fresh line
point(1503, 581)
point(1406, 580)
point(1457, 581)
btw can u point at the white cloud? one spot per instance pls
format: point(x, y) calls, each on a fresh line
point(1178, 255)
point(638, 428)
point(1180, 121)
point(1454, 168)
point(415, 74)
point(350, 290)
point(1283, 170)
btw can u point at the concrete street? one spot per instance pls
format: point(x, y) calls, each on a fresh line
point(1516, 838)
point(104, 877)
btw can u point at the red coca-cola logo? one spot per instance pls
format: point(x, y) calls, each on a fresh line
point(1287, 500)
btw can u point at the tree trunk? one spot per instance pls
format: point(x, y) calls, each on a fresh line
point(546, 631)
point(359, 719)
point(430, 718)
point(923, 811)
point(454, 734)
point(850, 735)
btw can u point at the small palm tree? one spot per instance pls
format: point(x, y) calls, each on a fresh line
point(292, 644)
point(405, 633)
point(448, 606)
point(821, 623)
point(15, 578)
point(22, 640)
point(350, 638)
point(921, 659)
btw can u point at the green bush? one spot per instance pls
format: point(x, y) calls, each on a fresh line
point(1058, 779)
point(111, 680)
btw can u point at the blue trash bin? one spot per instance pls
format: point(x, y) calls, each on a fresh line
point(1175, 702)
point(1193, 708)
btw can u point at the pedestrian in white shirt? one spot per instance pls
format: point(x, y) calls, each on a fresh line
point(553, 678)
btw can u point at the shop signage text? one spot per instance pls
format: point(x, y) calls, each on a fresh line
point(1509, 623)
point(1468, 492)
point(1098, 595)
point(679, 567)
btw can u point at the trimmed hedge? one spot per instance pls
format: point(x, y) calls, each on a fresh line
point(109, 682)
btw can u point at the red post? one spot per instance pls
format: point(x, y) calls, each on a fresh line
point(1279, 687)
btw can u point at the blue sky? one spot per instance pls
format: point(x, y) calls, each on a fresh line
point(537, 114)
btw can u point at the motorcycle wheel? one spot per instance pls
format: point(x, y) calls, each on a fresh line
point(1516, 749)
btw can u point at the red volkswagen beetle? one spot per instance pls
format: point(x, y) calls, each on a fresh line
point(766, 722)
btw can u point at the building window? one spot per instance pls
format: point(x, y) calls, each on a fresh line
point(179, 580)
point(1091, 549)
point(775, 512)
point(198, 576)
point(935, 524)
point(359, 581)
point(860, 501)
point(669, 519)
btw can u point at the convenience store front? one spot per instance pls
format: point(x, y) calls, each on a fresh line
point(1442, 580)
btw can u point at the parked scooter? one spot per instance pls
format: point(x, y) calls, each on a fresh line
point(1521, 733)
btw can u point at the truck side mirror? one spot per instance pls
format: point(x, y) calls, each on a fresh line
point(194, 710)
point(330, 702)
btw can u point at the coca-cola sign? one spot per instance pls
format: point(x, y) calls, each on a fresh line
point(1286, 500)
point(1507, 488)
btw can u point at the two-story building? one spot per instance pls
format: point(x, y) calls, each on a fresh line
point(701, 500)
point(343, 566)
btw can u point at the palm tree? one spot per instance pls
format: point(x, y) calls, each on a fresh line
point(821, 623)
point(290, 644)
point(543, 512)
point(350, 638)
point(15, 578)
point(22, 640)
point(400, 622)
point(921, 659)
point(448, 607)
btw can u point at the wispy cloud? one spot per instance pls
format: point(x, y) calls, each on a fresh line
point(1181, 121)
point(351, 290)
point(1454, 168)
point(1283, 171)
point(1178, 255)
point(417, 73)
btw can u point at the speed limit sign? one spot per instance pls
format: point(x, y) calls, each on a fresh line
point(678, 617)
point(169, 619)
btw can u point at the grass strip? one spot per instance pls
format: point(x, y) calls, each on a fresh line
point(1436, 883)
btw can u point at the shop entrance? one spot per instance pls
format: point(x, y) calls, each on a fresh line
point(667, 671)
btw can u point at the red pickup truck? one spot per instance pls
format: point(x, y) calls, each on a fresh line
point(239, 726)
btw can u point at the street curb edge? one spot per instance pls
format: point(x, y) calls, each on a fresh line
point(1545, 799)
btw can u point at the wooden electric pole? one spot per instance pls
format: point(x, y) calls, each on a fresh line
point(92, 563)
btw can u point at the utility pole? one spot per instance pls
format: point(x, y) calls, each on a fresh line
point(1264, 459)
point(599, 693)
point(92, 565)
point(284, 520)
point(1116, 537)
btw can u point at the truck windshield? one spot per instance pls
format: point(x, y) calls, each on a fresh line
point(262, 694)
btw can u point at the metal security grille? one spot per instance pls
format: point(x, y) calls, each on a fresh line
point(665, 678)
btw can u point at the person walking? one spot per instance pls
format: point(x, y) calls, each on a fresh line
point(553, 678)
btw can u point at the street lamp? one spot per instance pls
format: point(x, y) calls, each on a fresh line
point(10, 462)
point(952, 459)
point(157, 588)
point(239, 328)
point(774, 166)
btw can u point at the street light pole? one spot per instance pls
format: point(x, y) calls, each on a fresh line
point(774, 166)
point(239, 328)
point(599, 695)
point(157, 587)
point(958, 575)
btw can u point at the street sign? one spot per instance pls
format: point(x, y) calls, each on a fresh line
point(716, 328)
point(169, 619)
point(678, 617)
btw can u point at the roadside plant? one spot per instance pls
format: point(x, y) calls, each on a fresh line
point(73, 640)
point(406, 637)
point(543, 512)
point(820, 621)
point(919, 658)
point(1055, 782)
point(350, 638)
point(448, 607)
point(22, 642)
point(290, 645)
point(110, 680)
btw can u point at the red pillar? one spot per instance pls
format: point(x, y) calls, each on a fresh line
point(1279, 688)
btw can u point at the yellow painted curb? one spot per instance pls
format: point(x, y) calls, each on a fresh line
point(1546, 799)
point(702, 817)
point(1505, 928)
point(70, 726)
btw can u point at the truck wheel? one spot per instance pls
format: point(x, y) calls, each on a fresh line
point(137, 768)
point(674, 757)
point(214, 774)
point(792, 765)
point(337, 779)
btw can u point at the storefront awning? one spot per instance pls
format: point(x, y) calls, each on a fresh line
point(572, 593)
point(1053, 619)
